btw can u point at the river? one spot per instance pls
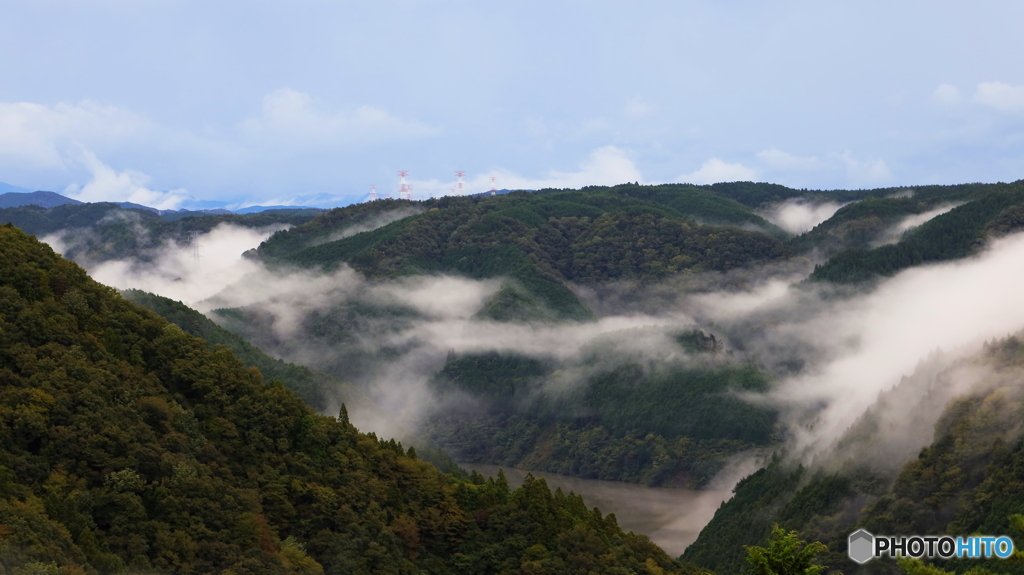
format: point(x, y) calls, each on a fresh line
point(672, 518)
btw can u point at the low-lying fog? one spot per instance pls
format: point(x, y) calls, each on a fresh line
point(832, 352)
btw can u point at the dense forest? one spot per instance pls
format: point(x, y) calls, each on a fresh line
point(540, 241)
point(319, 390)
point(310, 386)
point(126, 443)
point(643, 233)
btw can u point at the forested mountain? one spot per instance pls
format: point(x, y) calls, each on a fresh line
point(967, 481)
point(544, 245)
point(644, 233)
point(539, 241)
point(126, 443)
point(44, 199)
point(611, 333)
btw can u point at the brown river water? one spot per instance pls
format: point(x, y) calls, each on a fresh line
point(672, 518)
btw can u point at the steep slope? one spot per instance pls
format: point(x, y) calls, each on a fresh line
point(126, 443)
point(323, 392)
point(967, 479)
point(319, 390)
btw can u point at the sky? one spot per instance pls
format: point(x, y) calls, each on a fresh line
point(176, 103)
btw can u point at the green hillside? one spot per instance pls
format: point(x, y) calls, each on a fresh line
point(128, 445)
point(861, 224)
point(540, 241)
point(967, 481)
point(319, 390)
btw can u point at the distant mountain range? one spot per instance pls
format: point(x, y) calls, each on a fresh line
point(15, 197)
point(41, 199)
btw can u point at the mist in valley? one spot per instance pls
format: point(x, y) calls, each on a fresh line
point(799, 215)
point(838, 356)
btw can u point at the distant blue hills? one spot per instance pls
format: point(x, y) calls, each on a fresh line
point(41, 199)
point(15, 197)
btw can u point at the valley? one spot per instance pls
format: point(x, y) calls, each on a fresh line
point(671, 517)
point(630, 344)
point(511, 288)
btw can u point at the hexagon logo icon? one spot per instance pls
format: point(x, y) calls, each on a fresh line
point(860, 546)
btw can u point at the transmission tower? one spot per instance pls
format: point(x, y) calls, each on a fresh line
point(405, 191)
point(459, 187)
point(494, 191)
point(373, 192)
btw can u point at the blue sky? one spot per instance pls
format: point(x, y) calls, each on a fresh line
point(170, 102)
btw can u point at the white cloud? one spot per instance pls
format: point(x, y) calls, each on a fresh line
point(605, 166)
point(38, 136)
point(109, 185)
point(177, 274)
point(881, 336)
point(294, 119)
point(858, 170)
point(638, 108)
point(867, 171)
point(1000, 96)
point(946, 95)
point(715, 170)
point(798, 216)
point(778, 159)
